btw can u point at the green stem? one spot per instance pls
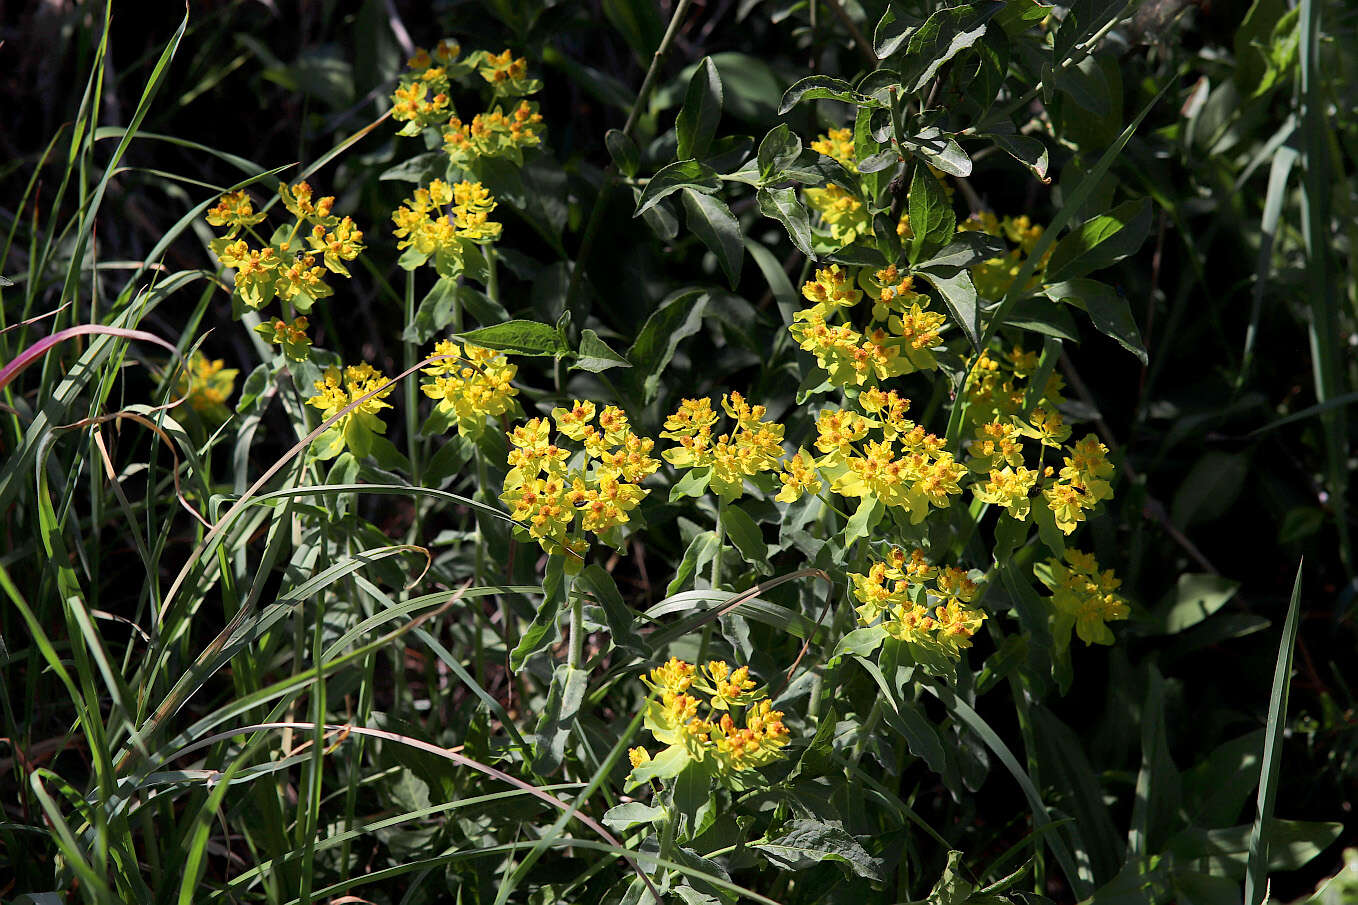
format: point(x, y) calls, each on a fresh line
point(576, 653)
point(715, 581)
point(611, 172)
point(411, 388)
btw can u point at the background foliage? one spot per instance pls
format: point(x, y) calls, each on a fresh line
point(1231, 436)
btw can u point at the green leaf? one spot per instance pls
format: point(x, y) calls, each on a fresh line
point(1265, 825)
point(892, 31)
point(700, 552)
point(542, 630)
point(869, 512)
point(860, 642)
point(1210, 488)
point(943, 35)
point(959, 295)
point(692, 795)
point(676, 319)
point(746, 536)
point(665, 765)
point(520, 337)
point(718, 228)
point(1196, 597)
point(595, 355)
point(1025, 149)
point(598, 583)
point(940, 150)
point(806, 843)
point(697, 121)
point(622, 817)
point(782, 205)
point(1085, 84)
point(1100, 241)
point(932, 218)
point(1107, 310)
point(624, 151)
point(639, 23)
point(690, 174)
point(967, 250)
point(823, 87)
point(434, 313)
point(564, 698)
point(778, 151)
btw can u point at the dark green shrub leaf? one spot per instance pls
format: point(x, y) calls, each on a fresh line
point(932, 218)
point(712, 221)
point(675, 320)
point(681, 174)
point(1101, 241)
point(1109, 312)
point(596, 355)
point(519, 337)
point(778, 151)
point(782, 205)
point(625, 153)
point(943, 35)
point(697, 121)
point(809, 842)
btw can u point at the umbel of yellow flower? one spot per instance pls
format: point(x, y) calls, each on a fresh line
point(907, 467)
point(450, 237)
point(748, 733)
point(842, 211)
point(284, 267)
point(754, 445)
point(994, 277)
point(559, 505)
point(1083, 598)
point(838, 144)
point(291, 336)
point(471, 386)
point(923, 607)
point(422, 97)
point(495, 133)
point(357, 428)
point(206, 384)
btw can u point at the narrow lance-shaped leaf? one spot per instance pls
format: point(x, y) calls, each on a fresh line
point(712, 221)
point(681, 174)
point(697, 121)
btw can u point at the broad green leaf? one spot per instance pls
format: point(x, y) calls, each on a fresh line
point(434, 313)
point(639, 23)
point(778, 151)
point(1108, 311)
point(943, 35)
point(782, 205)
point(823, 87)
point(623, 817)
point(697, 121)
point(940, 150)
point(967, 250)
point(893, 30)
point(624, 151)
point(598, 583)
point(879, 161)
point(542, 631)
point(692, 794)
point(564, 698)
point(932, 218)
point(860, 642)
point(1026, 150)
point(519, 337)
point(744, 533)
point(665, 765)
point(1085, 84)
point(1100, 241)
point(690, 174)
point(712, 221)
point(809, 842)
point(596, 355)
point(869, 512)
point(675, 320)
point(1196, 597)
point(959, 295)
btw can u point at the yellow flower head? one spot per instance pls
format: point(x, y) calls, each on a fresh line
point(356, 428)
point(1083, 598)
point(837, 143)
point(206, 383)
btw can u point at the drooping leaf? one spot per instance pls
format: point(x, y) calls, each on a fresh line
point(690, 174)
point(809, 842)
point(712, 221)
point(1108, 311)
point(596, 355)
point(782, 205)
point(1100, 241)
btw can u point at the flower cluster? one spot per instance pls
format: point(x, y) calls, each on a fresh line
point(445, 222)
point(471, 385)
point(423, 101)
point(994, 277)
point(206, 384)
point(287, 266)
point(1083, 598)
point(747, 735)
point(885, 456)
point(997, 390)
point(842, 211)
point(839, 145)
point(356, 429)
point(926, 607)
point(494, 133)
point(723, 461)
point(291, 336)
point(897, 340)
point(560, 497)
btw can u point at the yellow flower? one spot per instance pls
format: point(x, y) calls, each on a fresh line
point(753, 446)
point(340, 243)
point(235, 211)
point(832, 288)
point(472, 385)
point(291, 336)
point(507, 73)
point(798, 477)
point(842, 211)
point(206, 384)
point(837, 143)
point(1083, 598)
point(356, 429)
point(1010, 488)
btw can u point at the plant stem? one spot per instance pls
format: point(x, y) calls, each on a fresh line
point(611, 172)
point(411, 388)
point(715, 581)
point(576, 653)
